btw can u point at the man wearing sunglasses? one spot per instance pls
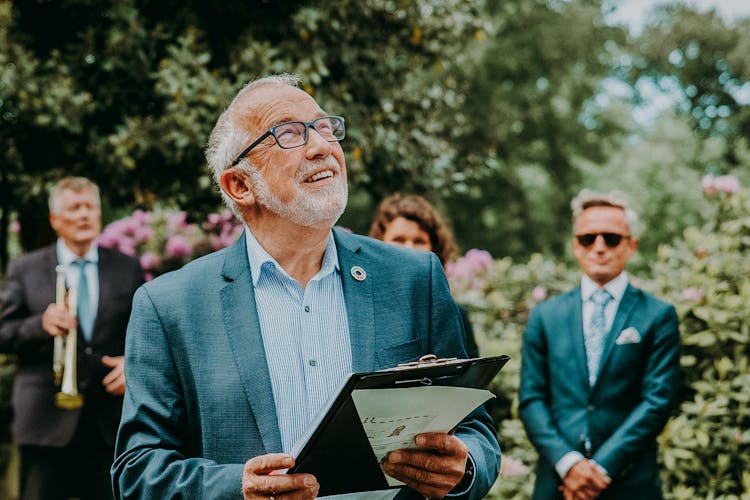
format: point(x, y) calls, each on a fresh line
point(230, 358)
point(600, 367)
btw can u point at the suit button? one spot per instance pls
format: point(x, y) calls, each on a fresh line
point(591, 407)
point(89, 351)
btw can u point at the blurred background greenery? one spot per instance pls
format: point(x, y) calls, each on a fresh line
point(499, 111)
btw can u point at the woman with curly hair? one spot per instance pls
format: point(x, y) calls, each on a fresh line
point(411, 221)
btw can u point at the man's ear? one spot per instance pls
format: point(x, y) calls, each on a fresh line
point(53, 221)
point(236, 185)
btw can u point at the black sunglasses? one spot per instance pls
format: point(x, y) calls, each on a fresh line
point(612, 240)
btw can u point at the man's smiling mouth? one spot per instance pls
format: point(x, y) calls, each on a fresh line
point(323, 174)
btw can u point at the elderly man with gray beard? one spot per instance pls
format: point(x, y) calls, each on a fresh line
point(229, 359)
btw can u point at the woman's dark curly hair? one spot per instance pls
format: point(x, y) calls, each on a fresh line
point(417, 209)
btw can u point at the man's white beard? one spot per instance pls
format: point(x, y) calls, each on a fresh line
point(319, 209)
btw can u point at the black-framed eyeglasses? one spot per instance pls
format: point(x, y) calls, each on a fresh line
point(289, 135)
point(612, 240)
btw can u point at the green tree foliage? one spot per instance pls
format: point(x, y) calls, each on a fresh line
point(530, 120)
point(441, 97)
point(155, 83)
point(701, 59)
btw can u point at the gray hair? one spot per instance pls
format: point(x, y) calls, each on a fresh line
point(228, 138)
point(588, 198)
point(76, 184)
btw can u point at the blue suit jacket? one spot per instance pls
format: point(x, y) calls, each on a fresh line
point(626, 408)
point(199, 402)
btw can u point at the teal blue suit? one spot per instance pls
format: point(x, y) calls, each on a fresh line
point(625, 410)
point(199, 402)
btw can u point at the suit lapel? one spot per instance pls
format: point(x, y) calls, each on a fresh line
point(574, 312)
point(48, 277)
point(622, 315)
point(358, 299)
point(243, 330)
point(107, 283)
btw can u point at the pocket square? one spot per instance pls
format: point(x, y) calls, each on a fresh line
point(628, 336)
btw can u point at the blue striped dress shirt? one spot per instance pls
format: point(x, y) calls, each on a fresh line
point(305, 335)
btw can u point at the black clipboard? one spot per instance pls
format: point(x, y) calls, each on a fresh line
point(338, 453)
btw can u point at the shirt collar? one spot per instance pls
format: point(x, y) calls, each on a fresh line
point(615, 287)
point(259, 259)
point(66, 256)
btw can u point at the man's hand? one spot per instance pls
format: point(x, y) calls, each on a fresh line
point(584, 481)
point(114, 381)
point(263, 477)
point(57, 320)
point(434, 468)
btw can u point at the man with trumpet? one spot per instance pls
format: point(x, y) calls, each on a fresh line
point(64, 311)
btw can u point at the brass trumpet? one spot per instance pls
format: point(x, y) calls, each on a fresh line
point(68, 398)
point(58, 354)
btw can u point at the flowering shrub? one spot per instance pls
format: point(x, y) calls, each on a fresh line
point(163, 240)
point(720, 184)
point(706, 446)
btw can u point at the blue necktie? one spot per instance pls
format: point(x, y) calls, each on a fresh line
point(85, 312)
point(595, 333)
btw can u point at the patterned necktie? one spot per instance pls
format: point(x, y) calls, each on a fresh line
point(594, 334)
point(85, 313)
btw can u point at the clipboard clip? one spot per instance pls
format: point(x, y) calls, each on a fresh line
point(426, 360)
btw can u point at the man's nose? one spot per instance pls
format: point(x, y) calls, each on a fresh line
point(599, 243)
point(317, 146)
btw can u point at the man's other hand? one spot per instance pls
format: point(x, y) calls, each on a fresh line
point(434, 468)
point(584, 481)
point(263, 477)
point(114, 381)
point(57, 320)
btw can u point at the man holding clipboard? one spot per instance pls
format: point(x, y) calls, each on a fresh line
point(230, 359)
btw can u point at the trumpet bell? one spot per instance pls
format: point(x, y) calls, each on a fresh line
point(67, 401)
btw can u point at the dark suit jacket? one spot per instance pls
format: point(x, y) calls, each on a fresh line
point(626, 408)
point(199, 402)
point(29, 289)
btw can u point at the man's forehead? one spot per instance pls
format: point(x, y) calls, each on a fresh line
point(602, 214)
point(274, 103)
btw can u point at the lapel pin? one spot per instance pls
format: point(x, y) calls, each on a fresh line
point(358, 273)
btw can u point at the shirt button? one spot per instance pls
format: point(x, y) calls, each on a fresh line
point(307, 309)
point(591, 407)
point(313, 362)
point(88, 350)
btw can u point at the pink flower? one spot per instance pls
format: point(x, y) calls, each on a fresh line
point(692, 294)
point(458, 269)
point(724, 183)
point(480, 259)
point(143, 233)
point(539, 293)
point(142, 217)
point(214, 219)
point(126, 246)
point(708, 185)
point(150, 260)
point(474, 262)
point(727, 184)
point(148, 276)
point(513, 467)
point(177, 246)
point(176, 220)
point(15, 227)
